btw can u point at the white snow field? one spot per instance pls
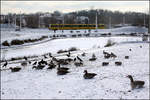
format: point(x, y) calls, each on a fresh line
point(109, 83)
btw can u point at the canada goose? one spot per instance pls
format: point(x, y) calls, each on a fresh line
point(62, 72)
point(92, 59)
point(29, 62)
point(93, 56)
point(69, 59)
point(88, 75)
point(135, 84)
point(24, 63)
point(5, 64)
point(45, 56)
point(118, 63)
point(105, 53)
point(68, 55)
point(15, 69)
point(130, 49)
point(107, 56)
point(78, 63)
point(113, 55)
point(74, 59)
point(126, 57)
point(105, 63)
point(79, 59)
point(34, 63)
point(54, 59)
point(50, 55)
point(38, 67)
point(25, 58)
point(51, 65)
point(62, 68)
point(83, 54)
point(42, 62)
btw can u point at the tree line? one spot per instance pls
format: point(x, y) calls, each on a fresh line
point(103, 17)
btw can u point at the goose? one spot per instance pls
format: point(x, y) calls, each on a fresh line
point(15, 69)
point(34, 63)
point(62, 72)
point(79, 59)
point(68, 55)
point(113, 55)
point(83, 54)
point(50, 55)
point(38, 67)
point(126, 57)
point(5, 64)
point(45, 56)
point(93, 56)
point(24, 63)
point(118, 63)
point(140, 46)
point(62, 68)
point(69, 59)
point(105, 53)
point(88, 75)
point(105, 63)
point(107, 56)
point(29, 62)
point(92, 59)
point(25, 58)
point(42, 62)
point(74, 59)
point(78, 63)
point(135, 84)
point(51, 65)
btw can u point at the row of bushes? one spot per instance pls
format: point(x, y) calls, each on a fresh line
point(70, 49)
point(20, 42)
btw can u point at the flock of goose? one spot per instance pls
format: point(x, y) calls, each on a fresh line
point(55, 62)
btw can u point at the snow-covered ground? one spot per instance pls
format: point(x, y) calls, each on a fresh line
point(110, 83)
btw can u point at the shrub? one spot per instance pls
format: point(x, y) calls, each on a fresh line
point(133, 34)
point(62, 51)
point(17, 58)
point(103, 34)
point(73, 35)
point(73, 49)
point(109, 33)
point(5, 43)
point(17, 42)
point(109, 43)
point(79, 35)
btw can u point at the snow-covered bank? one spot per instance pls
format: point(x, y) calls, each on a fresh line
point(110, 82)
point(58, 44)
point(27, 33)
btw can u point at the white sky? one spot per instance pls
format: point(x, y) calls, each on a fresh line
point(68, 6)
